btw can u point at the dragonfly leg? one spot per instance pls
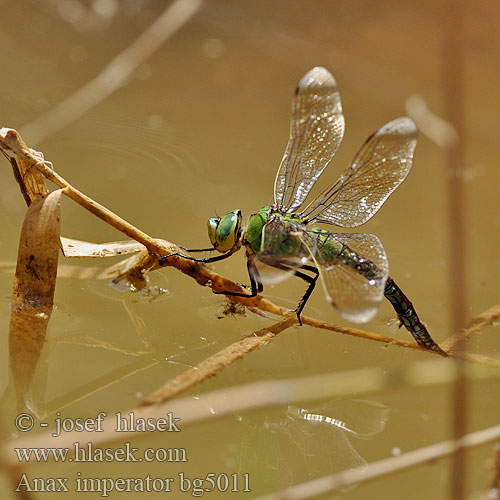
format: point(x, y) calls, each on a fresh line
point(188, 257)
point(309, 279)
point(312, 283)
point(408, 317)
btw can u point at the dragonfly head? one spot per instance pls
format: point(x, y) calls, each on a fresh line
point(225, 232)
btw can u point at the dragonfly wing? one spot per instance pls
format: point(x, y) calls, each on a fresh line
point(316, 130)
point(304, 444)
point(359, 418)
point(282, 249)
point(353, 270)
point(377, 170)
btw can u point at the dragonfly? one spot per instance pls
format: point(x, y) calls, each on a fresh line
point(282, 239)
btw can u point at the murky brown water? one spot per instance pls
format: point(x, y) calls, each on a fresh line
point(199, 129)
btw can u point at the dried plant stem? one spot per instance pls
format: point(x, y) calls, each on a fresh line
point(364, 334)
point(477, 358)
point(453, 96)
point(384, 467)
point(475, 327)
point(105, 214)
point(495, 484)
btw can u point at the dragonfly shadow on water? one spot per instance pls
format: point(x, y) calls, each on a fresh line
point(299, 444)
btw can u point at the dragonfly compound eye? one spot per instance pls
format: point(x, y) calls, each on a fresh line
point(227, 231)
point(212, 228)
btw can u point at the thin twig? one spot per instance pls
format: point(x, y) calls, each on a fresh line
point(364, 334)
point(115, 74)
point(475, 327)
point(384, 467)
point(477, 358)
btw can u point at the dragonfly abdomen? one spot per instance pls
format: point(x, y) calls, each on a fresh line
point(340, 253)
point(408, 316)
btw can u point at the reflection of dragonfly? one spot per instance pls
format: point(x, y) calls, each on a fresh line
point(280, 240)
point(306, 444)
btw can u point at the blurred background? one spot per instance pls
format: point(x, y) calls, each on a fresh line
point(199, 128)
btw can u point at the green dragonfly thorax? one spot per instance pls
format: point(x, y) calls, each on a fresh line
point(282, 230)
point(255, 225)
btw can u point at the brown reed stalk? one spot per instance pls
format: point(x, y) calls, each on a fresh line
point(453, 81)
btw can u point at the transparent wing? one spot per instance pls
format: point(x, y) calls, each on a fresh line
point(353, 269)
point(282, 249)
point(377, 170)
point(355, 417)
point(264, 455)
point(297, 445)
point(316, 130)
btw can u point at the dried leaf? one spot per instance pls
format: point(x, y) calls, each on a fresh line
point(33, 293)
point(73, 271)
point(83, 272)
point(78, 248)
